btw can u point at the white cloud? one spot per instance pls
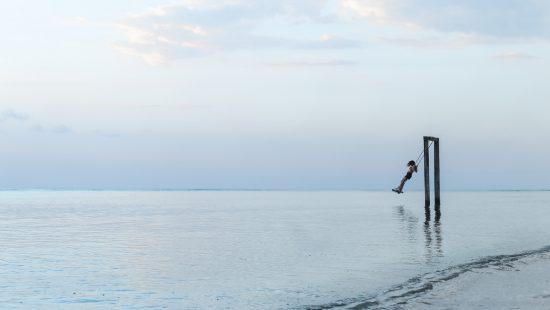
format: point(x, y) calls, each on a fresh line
point(200, 27)
point(435, 40)
point(195, 28)
point(512, 56)
point(330, 63)
point(500, 19)
point(375, 10)
point(151, 58)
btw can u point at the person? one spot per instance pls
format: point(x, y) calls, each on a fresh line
point(411, 168)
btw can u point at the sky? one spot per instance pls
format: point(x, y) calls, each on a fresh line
point(240, 94)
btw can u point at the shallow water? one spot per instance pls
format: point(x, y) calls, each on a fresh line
point(249, 250)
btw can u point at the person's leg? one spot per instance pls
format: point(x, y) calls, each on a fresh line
point(402, 184)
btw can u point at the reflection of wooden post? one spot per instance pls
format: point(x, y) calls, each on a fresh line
point(426, 172)
point(436, 174)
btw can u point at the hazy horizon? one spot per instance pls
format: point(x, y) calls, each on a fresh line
point(68, 189)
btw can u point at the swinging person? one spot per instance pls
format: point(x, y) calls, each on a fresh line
point(411, 168)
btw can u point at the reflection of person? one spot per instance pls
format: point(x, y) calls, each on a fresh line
point(411, 168)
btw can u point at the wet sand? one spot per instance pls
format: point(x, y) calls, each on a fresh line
point(524, 284)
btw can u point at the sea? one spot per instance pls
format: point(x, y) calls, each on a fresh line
point(259, 249)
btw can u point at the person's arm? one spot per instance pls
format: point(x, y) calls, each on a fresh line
point(415, 168)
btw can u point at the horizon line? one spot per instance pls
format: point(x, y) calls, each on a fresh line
point(254, 190)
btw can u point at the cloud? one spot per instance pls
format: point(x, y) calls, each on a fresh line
point(12, 115)
point(150, 57)
point(22, 117)
point(331, 63)
point(38, 127)
point(500, 19)
point(58, 129)
point(104, 134)
point(512, 56)
point(194, 28)
point(197, 28)
point(375, 10)
point(437, 40)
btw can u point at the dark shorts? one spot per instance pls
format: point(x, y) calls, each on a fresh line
point(408, 175)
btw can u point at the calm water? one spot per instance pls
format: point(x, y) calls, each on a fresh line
point(250, 250)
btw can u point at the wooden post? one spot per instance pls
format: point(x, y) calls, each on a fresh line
point(426, 172)
point(436, 174)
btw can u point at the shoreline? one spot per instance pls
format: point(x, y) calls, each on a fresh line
point(524, 284)
point(515, 281)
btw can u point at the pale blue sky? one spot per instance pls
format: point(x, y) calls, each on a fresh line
point(308, 94)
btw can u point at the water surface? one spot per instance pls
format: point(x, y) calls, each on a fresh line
point(248, 250)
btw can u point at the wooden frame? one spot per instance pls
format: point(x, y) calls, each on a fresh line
point(437, 179)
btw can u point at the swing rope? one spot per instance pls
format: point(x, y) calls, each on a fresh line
point(421, 156)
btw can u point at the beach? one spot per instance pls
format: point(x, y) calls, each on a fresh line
point(524, 284)
point(515, 281)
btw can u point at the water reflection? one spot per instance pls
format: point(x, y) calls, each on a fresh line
point(432, 235)
point(438, 238)
point(409, 220)
point(431, 231)
point(427, 214)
